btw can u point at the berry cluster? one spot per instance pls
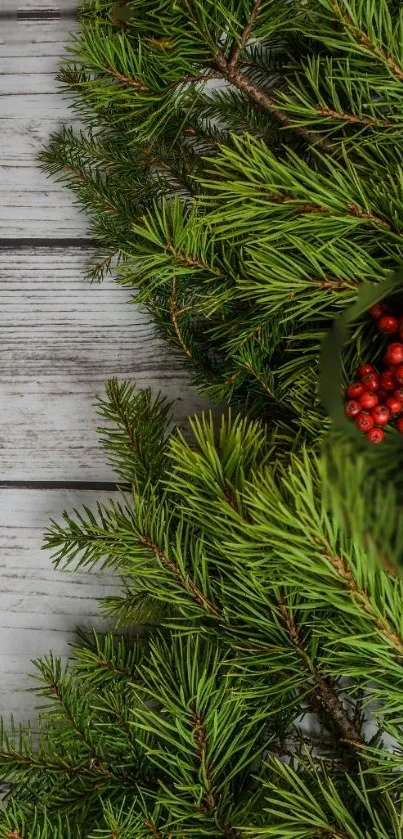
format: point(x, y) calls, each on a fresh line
point(376, 398)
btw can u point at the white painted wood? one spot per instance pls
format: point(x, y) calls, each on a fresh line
point(31, 108)
point(61, 339)
point(52, 6)
point(39, 606)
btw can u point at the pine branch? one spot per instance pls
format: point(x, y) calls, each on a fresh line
point(353, 119)
point(239, 46)
point(200, 736)
point(127, 80)
point(175, 314)
point(360, 596)
point(323, 696)
point(185, 581)
point(265, 101)
point(364, 39)
point(136, 435)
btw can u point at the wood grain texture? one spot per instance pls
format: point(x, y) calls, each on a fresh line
point(39, 606)
point(8, 7)
point(31, 108)
point(61, 339)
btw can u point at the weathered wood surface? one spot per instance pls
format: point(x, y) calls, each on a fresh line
point(35, 7)
point(40, 607)
point(31, 108)
point(61, 339)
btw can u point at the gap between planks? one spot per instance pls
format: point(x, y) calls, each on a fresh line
point(63, 243)
point(80, 486)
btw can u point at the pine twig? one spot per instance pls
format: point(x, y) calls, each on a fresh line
point(263, 100)
point(363, 38)
point(361, 597)
point(184, 581)
point(343, 116)
point(121, 77)
point(183, 258)
point(153, 829)
point(323, 695)
point(174, 314)
point(200, 737)
point(240, 45)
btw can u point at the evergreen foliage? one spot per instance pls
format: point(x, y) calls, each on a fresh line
point(241, 163)
point(271, 631)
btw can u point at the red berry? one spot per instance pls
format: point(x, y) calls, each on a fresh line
point(368, 400)
point(387, 380)
point(377, 311)
point(399, 425)
point(394, 404)
point(388, 324)
point(365, 370)
point(375, 435)
point(380, 415)
point(398, 391)
point(352, 408)
point(364, 421)
point(371, 381)
point(399, 374)
point(394, 353)
point(355, 390)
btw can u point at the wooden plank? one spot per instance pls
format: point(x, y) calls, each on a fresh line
point(39, 606)
point(61, 339)
point(26, 39)
point(43, 6)
point(31, 108)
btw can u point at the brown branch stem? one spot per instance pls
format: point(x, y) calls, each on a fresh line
point(265, 101)
point(239, 46)
point(363, 38)
point(332, 284)
point(119, 408)
point(209, 802)
point(259, 379)
point(121, 77)
point(351, 209)
point(175, 314)
point(153, 829)
point(184, 581)
point(81, 176)
point(63, 768)
point(323, 695)
point(55, 688)
point(233, 377)
point(105, 264)
point(200, 737)
point(361, 597)
point(183, 258)
point(343, 116)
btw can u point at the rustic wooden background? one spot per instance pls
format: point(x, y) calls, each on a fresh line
point(61, 339)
